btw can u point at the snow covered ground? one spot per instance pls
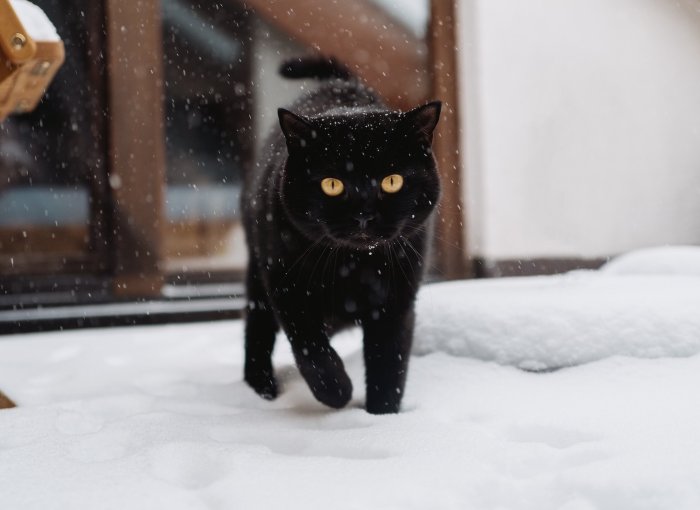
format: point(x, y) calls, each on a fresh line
point(150, 417)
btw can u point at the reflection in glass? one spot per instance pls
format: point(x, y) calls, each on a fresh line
point(52, 177)
point(208, 131)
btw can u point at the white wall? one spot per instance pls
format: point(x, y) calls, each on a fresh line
point(582, 125)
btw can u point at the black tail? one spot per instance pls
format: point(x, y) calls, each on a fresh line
point(321, 68)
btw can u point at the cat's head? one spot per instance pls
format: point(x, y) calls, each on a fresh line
point(360, 178)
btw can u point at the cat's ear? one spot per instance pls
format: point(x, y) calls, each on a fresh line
point(297, 130)
point(422, 120)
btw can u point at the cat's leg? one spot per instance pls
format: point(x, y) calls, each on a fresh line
point(387, 347)
point(260, 330)
point(319, 364)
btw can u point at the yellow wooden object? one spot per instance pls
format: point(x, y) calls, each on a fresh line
point(26, 66)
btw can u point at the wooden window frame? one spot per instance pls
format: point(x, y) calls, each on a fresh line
point(136, 144)
point(451, 253)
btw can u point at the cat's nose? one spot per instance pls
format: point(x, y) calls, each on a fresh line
point(364, 219)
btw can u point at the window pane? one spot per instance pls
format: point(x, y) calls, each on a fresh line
point(208, 129)
point(52, 177)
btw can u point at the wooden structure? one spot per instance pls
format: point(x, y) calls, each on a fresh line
point(451, 250)
point(5, 402)
point(136, 144)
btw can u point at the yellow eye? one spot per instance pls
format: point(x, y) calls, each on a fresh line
point(392, 183)
point(332, 187)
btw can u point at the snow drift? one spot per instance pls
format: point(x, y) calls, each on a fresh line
point(644, 304)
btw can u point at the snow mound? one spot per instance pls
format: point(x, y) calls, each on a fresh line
point(35, 21)
point(679, 260)
point(548, 322)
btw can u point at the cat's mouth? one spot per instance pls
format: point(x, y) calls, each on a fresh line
point(361, 240)
point(365, 238)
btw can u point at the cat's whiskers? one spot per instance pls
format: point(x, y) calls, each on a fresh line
point(303, 255)
point(398, 262)
point(313, 270)
point(387, 255)
point(334, 275)
point(424, 229)
point(408, 258)
point(326, 264)
point(423, 259)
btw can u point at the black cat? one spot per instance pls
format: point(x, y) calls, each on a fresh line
point(336, 217)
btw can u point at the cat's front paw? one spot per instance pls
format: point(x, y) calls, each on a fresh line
point(263, 382)
point(329, 383)
point(383, 403)
point(383, 408)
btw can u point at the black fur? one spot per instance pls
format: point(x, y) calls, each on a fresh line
point(320, 68)
point(320, 263)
